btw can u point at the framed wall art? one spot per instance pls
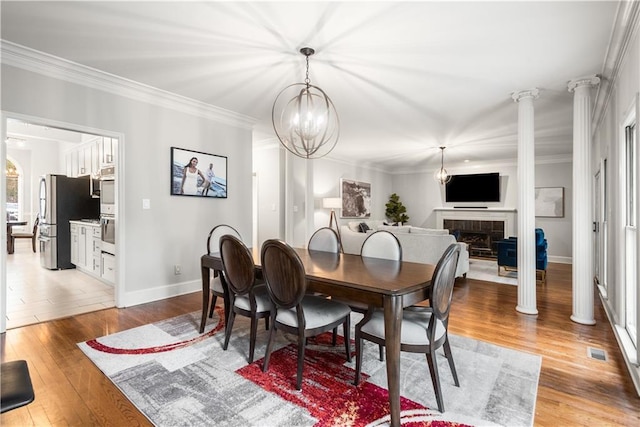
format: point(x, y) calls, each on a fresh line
point(550, 202)
point(194, 173)
point(356, 199)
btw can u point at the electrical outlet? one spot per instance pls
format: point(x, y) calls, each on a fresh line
point(177, 269)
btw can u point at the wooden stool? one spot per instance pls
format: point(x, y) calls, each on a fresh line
point(15, 388)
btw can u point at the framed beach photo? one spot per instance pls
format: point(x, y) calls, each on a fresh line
point(194, 173)
point(356, 199)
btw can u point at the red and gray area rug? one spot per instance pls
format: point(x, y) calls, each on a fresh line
point(176, 376)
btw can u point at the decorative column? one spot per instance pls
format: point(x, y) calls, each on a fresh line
point(526, 203)
point(582, 201)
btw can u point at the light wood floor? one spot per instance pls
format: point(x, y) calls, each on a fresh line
point(36, 294)
point(574, 390)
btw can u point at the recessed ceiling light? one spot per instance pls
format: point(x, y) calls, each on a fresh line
point(466, 160)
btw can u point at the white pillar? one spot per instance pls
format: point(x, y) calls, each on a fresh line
point(526, 202)
point(582, 201)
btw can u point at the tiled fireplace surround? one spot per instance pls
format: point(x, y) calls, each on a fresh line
point(481, 229)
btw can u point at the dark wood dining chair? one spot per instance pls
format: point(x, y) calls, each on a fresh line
point(247, 297)
point(33, 235)
point(217, 286)
point(294, 311)
point(424, 329)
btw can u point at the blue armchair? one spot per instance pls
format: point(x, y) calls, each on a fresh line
point(508, 255)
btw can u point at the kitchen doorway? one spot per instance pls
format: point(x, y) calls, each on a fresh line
point(30, 292)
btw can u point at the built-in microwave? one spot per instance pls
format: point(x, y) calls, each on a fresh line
point(108, 197)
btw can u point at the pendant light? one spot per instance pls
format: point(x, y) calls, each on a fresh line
point(441, 175)
point(305, 119)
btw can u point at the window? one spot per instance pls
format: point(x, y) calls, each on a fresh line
point(13, 202)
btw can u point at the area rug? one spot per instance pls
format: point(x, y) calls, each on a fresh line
point(177, 377)
point(487, 270)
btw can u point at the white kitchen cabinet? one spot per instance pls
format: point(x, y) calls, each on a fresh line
point(108, 268)
point(74, 243)
point(107, 150)
point(96, 253)
point(86, 254)
point(84, 159)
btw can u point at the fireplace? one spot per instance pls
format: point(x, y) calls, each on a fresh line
point(481, 236)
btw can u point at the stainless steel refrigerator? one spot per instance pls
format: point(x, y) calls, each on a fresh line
point(62, 199)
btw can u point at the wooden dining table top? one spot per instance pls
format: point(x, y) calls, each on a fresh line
point(364, 276)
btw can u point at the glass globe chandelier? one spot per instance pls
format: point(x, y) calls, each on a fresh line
point(441, 175)
point(305, 119)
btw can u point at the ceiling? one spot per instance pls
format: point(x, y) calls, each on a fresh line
point(405, 77)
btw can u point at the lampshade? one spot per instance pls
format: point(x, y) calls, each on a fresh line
point(332, 203)
point(305, 119)
point(441, 175)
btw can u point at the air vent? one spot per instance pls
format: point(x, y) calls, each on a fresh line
point(597, 353)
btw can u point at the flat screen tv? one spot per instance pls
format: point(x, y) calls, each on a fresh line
point(479, 187)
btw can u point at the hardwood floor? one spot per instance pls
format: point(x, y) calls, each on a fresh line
point(574, 390)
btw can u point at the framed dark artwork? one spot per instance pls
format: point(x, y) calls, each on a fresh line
point(194, 173)
point(356, 199)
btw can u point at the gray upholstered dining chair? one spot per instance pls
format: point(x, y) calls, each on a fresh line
point(295, 311)
point(217, 288)
point(324, 239)
point(382, 244)
point(247, 297)
point(424, 329)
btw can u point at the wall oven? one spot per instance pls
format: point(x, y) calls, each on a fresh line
point(108, 197)
point(108, 232)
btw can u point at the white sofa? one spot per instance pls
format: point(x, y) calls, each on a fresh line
point(424, 245)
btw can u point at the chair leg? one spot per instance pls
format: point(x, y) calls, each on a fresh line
point(214, 299)
point(381, 351)
point(435, 378)
point(227, 332)
point(301, 346)
point(267, 353)
point(33, 243)
point(346, 326)
point(358, 356)
point(449, 356)
point(252, 337)
point(334, 338)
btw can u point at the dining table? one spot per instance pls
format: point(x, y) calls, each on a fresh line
point(10, 225)
point(379, 283)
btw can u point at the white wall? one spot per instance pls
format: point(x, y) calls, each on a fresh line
point(420, 193)
point(608, 144)
point(175, 229)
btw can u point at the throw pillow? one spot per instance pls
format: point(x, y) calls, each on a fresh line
point(363, 227)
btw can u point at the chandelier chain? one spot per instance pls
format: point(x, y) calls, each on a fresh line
point(307, 80)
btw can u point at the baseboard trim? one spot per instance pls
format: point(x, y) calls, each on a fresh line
point(131, 299)
point(625, 345)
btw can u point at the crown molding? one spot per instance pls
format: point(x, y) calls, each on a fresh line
point(625, 26)
point(35, 61)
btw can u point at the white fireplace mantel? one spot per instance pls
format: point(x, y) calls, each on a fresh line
point(508, 215)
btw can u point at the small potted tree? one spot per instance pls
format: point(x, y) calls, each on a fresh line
point(396, 211)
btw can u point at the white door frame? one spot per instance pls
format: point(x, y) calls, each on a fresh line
point(120, 225)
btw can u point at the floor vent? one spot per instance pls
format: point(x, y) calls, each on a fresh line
point(597, 353)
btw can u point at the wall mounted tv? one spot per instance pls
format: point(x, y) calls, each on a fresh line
point(479, 187)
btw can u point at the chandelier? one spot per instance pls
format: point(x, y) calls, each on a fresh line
point(305, 119)
point(441, 175)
